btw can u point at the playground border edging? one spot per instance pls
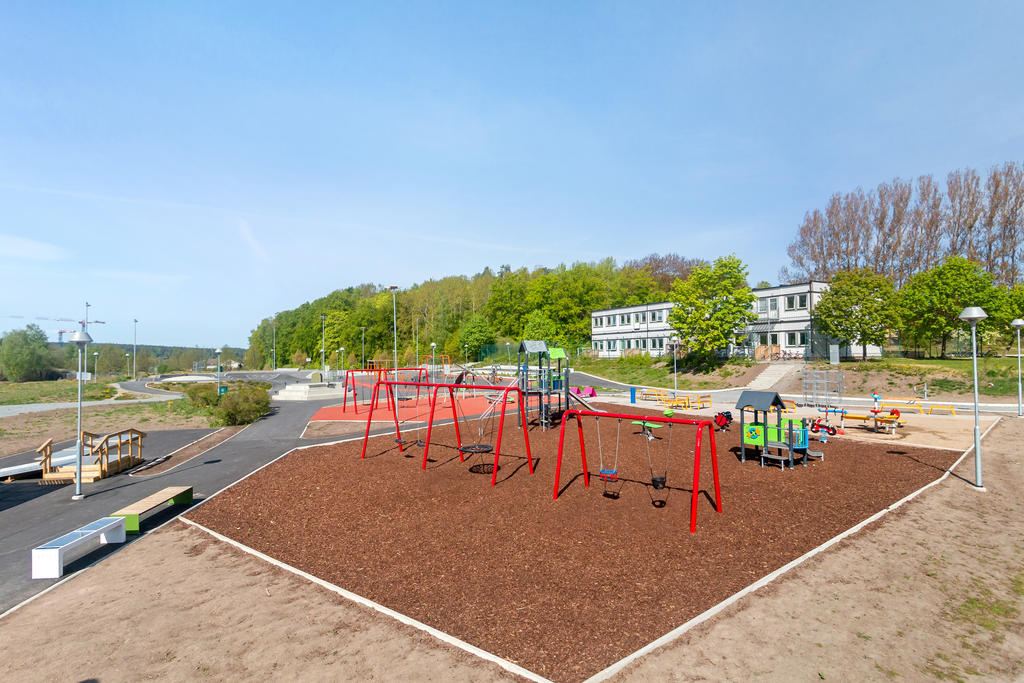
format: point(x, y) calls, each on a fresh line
point(672, 635)
point(366, 602)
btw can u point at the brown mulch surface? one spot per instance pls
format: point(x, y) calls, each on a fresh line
point(563, 587)
point(190, 451)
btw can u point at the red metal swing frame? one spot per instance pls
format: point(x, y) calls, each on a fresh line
point(380, 372)
point(698, 441)
point(389, 384)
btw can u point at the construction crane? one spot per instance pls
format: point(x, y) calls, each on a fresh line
point(60, 333)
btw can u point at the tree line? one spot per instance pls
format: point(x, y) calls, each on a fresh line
point(27, 356)
point(462, 315)
point(904, 227)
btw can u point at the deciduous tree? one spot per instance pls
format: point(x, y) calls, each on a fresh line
point(859, 307)
point(712, 305)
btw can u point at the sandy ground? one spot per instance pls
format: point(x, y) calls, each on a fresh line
point(933, 591)
point(25, 432)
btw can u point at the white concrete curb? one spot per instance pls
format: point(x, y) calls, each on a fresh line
point(764, 581)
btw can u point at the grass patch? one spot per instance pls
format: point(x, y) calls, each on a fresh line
point(986, 611)
point(996, 376)
point(657, 372)
point(53, 391)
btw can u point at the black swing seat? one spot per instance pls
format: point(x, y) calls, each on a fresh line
point(476, 448)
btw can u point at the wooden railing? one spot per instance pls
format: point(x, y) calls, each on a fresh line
point(45, 453)
point(125, 446)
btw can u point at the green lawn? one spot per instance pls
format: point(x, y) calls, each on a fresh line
point(650, 372)
point(57, 391)
point(997, 376)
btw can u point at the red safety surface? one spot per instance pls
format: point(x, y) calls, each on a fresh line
point(415, 410)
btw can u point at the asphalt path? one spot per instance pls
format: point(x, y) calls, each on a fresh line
point(31, 515)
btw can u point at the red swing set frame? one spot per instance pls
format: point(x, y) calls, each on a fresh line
point(389, 388)
point(698, 441)
point(381, 373)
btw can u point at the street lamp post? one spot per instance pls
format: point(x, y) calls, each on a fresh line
point(127, 364)
point(95, 364)
point(273, 351)
point(675, 375)
point(508, 352)
point(394, 325)
point(323, 346)
point(465, 353)
point(80, 339)
point(433, 357)
point(362, 356)
point(972, 315)
point(341, 358)
point(1017, 324)
point(416, 336)
point(218, 370)
point(135, 356)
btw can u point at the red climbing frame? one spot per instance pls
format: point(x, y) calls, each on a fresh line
point(350, 380)
point(388, 384)
point(700, 424)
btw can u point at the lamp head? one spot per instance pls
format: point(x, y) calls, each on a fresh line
point(80, 338)
point(433, 344)
point(1017, 322)
point(393, 287)
point(218, 351)
point(973, 314)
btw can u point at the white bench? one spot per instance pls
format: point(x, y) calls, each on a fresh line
point(48, 559)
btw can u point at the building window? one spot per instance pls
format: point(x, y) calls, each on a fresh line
point(773, 304)
point(762, 305)
point(796, 302)
point(624, 319)
point(609, 320)
point(796, 339)
point(597, 321)
point(611, 345)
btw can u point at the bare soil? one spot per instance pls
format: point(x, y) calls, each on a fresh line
point(25, 432)
point(932, 591)
point(563, 587)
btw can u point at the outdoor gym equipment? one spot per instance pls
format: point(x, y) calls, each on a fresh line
point(648, 420)
point(462, 448)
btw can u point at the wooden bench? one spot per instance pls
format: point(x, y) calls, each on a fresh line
point(48, 559)
point(170, 495)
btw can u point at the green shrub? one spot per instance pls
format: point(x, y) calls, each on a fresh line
point(203, 395)
point(242, 405)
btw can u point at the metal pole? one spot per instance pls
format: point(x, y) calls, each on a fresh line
point(394, 326)
point(416, 334)
point(675, 373)
point(78, 463)
point(362, 357)
point(218, 372)
point(323, 347)
point(127, 365)
point(135, 357)
point(95, 365)
point(977, 427)
point(274, 350)
point(1020, 404)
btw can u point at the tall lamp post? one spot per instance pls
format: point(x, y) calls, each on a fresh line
point(394, 325)
point(362, 356)
point(675, 375)
point(95, 364)
point(273, 352)
point(323, 346)
point(508, 352)
point(416, 336)
point(127, 364)
point(135, 356)
point(80, 339)
point(1017, 324)
point(341, 358)
point(433, 357)
point(218, 370)
point(972, 315)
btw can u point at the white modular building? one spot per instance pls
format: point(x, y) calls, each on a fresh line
point(784, 327)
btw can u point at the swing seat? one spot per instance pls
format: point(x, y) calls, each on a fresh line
point(648, 425)
point(476, 448)
point(609, 475)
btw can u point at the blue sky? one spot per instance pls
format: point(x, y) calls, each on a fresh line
point(200, 166)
